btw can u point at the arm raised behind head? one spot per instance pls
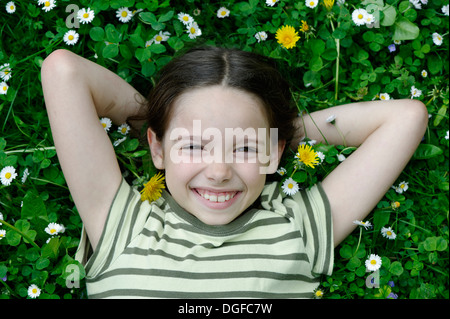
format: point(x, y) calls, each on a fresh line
point(386, 133)
point(77, 92)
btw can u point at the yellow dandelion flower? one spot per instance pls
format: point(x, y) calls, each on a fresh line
point(304, 27)
point(307, 155)
point(153, 188)
point(287, 36)
point(328, 4)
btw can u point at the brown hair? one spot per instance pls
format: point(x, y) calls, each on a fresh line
point(209, 66)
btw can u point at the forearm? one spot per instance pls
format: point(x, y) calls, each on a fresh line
point(112, 96)
point(354, 122)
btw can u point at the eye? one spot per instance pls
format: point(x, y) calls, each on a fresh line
point(246, 149)
point(192, 147)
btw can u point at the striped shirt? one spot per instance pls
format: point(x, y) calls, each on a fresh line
point(158, 250)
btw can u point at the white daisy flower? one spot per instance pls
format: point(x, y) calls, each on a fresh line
point(416, 4)
point(185, 18)
point(54, 229)
point(281, 171)
point(119, 141)
point(321, 156)
point(290, 187)
point(124, 15)
point(446, 136)
point(261, 36)
point(271, 3)
point(34, 291)
point(415, 92)
point(437, 38)
point(331, 119)
point(366, 224)
point(106, 123)
point(397, 42)
point(445, 10)
point(388, 233)
point(193, 30)
point(158, 38)
point(1, 217)
point(124, 129)
point(48, 5)
point(424, 73)
point(10, 7)
point(2, 233)
point(401, 188)
point(5, 72)
point(359, 16)
point(71, 37)
point(311, 3)
point(384, 97)
point(223, 12)
point(373, 263)
point(341, 157)
point(85, 15)
point(3, 88)
point(7, 174)
point(370, 18)
point(25, 175)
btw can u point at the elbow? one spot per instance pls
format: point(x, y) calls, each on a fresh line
point(57, 64)
point(419, 115)
point(415, 114)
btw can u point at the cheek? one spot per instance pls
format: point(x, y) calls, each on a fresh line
point(250, 174)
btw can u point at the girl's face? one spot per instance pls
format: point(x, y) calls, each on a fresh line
point(213, 152)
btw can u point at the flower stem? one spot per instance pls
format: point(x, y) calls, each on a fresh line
point(20, 232)
point(341, 135)
point(31, 150)
point(338, 49)
point(359, 240)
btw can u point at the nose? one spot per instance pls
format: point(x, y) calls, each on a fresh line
point(218, 172)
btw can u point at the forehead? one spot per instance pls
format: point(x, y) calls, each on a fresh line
point(219, 107)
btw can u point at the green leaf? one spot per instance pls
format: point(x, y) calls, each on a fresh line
point(427, 151)
point(346, 251)
point(157, 48)
point(380, 219)
point(33, 206)
point(434, 64)
point(42, 263)
point(110, 51)
point(317, 46)
point(316, 63)
point(396, 268)
point(405, 30)
point(97, 34)
point(440, 116)
point(390, 14)
point(112, 35)
point(166, 16)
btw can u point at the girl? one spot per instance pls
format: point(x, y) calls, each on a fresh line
point(222, 230)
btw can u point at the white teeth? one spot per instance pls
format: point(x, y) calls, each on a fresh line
point(215, 198)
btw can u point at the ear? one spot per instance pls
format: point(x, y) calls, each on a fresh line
point(156, 149)
point(275, 158)
point(281, 146)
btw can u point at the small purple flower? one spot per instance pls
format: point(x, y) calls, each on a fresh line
point(5, 278)
point(391, 283)
point(392, 296)
point(391, 48)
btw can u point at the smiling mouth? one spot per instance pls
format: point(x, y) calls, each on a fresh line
point(216, 197)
